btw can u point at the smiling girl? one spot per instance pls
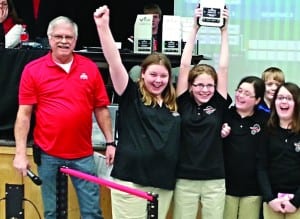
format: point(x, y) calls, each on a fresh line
point(279, 160)
point(149, 128)
point(247, 123)
point(202, 101)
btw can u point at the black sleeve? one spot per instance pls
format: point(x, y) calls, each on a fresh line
point(130, 93)
point(262, 169)
point(229, 100)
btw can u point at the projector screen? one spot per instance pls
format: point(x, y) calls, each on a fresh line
point(262, 34)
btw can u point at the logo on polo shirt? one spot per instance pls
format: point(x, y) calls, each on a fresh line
point(83, 76)
point(255, 129)
point(297, 146)
point(209, 110)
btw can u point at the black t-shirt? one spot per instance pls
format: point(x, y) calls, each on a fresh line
point(148, 147)
point(201, 155)
point(279, 165)
point(240, 149)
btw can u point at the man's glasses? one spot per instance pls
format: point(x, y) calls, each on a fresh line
point(246, 93)
point(202, 86)
point(59, 38)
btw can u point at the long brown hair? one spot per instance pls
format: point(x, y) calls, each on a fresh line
point(274, 119)
point(169, 94)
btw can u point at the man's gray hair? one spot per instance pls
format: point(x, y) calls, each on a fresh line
point(62, 20)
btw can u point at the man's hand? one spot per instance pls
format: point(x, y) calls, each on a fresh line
point(110, 154)
point(21, 164)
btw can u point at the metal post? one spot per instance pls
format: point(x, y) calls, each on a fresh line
point(14, 201)
point(152, 207)
point(61, 195)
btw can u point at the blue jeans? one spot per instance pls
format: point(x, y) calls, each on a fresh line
point(88, 193)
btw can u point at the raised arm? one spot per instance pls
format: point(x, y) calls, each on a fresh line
point(118, 72)
point(224, 58)
point(186, 57)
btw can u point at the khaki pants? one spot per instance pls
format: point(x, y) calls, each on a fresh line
point(188, 194)
point(247, 207)
point(270, 214)
point(126, 206)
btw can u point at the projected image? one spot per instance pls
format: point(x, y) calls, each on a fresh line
point(262, 34)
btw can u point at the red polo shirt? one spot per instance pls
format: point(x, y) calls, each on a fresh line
point(64, 104)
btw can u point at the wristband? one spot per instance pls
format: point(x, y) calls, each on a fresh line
point(111, 143)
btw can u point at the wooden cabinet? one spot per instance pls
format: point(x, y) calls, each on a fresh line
point(8, 175)
point(32, 192)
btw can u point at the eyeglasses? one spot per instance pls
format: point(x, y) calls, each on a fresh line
point(287, 98)
point(246, 93)
point(202, 86)
point(59, 38)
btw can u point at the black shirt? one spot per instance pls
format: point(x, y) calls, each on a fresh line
point(201, 155)
point(279, 165)
point(240, 149)
point(147, 151)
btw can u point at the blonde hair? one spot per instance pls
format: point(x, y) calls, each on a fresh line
point(169, 94)
point(273, 73)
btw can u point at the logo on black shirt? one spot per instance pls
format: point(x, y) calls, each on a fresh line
point(175, 114)
point(209, 110)
point(297, 146)
point(255, 129)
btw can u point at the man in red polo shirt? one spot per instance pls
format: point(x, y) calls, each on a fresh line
point(63, 89)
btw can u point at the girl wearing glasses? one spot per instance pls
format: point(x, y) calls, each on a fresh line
point(202, 101)
point(279, 159)
point(247, 125)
